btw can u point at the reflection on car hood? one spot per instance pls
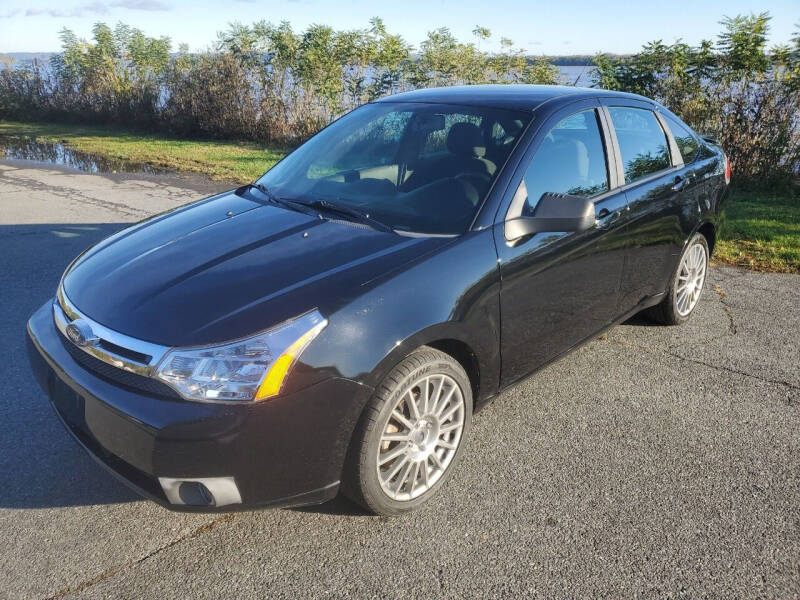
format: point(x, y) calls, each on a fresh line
point(228, 267)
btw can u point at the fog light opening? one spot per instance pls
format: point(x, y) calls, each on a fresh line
point(195, 493)
point(202, 491)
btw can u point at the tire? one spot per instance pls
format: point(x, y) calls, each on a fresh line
point(674, 308)
point(366, 478)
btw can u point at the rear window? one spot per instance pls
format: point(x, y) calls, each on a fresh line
point(686, 140)
point(642, 141)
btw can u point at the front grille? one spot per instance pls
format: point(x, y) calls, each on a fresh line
point(125, 352)
point(139, 383)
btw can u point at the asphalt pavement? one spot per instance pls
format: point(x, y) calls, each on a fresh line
point(654, 461)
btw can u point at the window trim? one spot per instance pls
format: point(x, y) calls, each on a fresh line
point(516, 204)
point(674, 149)
point(666, 117)
point(611, 136)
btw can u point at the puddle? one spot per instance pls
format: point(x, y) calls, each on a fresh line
point(56, 153)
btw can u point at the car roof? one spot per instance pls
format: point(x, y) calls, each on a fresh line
point(510, 96)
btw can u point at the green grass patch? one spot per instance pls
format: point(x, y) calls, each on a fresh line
point(230, 160)
point(762, 231)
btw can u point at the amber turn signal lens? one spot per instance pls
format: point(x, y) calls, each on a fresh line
point(276, 374)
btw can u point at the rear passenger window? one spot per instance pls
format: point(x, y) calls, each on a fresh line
point(687, 142)
point(642, 142)
point(571, 160)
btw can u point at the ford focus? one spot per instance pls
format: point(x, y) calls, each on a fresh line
point(334, 325)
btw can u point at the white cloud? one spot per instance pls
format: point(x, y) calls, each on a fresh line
point(141, 4)
point(96, 7)
point(92, 8)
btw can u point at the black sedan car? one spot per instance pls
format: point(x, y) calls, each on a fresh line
point(335, 324)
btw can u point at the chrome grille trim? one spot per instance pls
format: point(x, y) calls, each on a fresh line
point(64, 312)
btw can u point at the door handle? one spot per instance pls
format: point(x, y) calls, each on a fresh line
point(679, 183)
point(606, 218)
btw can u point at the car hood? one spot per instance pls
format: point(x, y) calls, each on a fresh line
point(227, 267)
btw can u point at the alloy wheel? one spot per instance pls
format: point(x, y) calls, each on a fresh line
point(420, 438)
point(691, 278)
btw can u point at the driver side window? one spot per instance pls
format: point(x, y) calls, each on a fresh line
point(571, 160)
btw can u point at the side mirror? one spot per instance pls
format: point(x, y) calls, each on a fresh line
point(554, 212)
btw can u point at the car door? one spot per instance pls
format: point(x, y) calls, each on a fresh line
point(660, 189)
point(557, 289)
point(701, 167)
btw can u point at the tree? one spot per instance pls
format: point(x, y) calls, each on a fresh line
point(742, 45)
point(481, 34)
point(735, 90)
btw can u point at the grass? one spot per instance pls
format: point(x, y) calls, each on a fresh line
point(235, 161)
point(762, 230)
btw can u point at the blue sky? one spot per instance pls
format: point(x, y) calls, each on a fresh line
point(553, 27)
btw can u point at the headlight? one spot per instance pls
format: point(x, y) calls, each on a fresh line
point(246, 370)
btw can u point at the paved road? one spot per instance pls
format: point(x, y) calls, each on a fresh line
point(660, 462)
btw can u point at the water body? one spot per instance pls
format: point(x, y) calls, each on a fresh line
point(580, 75)
point(56, 153)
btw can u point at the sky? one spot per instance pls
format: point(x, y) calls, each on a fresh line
point(555, 27)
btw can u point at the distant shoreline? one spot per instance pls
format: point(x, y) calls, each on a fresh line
point(565, 60)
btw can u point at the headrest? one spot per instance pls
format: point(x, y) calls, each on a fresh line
point(465, 139)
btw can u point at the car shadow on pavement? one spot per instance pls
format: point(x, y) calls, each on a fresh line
point(641, 320)
point(41, 466)
point(340, 506)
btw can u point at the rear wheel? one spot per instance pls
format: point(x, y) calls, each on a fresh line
point(411, 434)
point(686, 285)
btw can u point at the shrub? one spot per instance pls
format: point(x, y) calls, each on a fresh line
point(264, 82)
point(735, 90)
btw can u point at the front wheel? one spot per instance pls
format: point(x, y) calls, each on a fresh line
point(411, 434)
point(686, 285)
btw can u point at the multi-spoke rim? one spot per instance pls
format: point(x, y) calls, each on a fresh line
point(420, 437)
point(690, 279)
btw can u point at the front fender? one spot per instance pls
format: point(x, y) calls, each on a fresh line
point(452, 294)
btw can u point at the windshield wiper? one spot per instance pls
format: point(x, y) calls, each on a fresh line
point(348, 211)
point(323, 206)
point(287, 202)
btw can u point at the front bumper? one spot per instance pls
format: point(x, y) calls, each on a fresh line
point(286, 451)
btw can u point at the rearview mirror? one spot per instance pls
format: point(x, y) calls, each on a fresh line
point(554, 212)
point(428, 123)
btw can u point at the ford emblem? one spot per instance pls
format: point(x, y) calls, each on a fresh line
point(80, 333)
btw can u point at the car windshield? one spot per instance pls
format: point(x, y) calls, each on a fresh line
point(414, 167)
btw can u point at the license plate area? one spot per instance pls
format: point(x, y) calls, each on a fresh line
point(69, 404)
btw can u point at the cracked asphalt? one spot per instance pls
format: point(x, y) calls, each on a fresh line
point(654, 461)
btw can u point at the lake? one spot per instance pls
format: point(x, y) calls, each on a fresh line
point(579, 75)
